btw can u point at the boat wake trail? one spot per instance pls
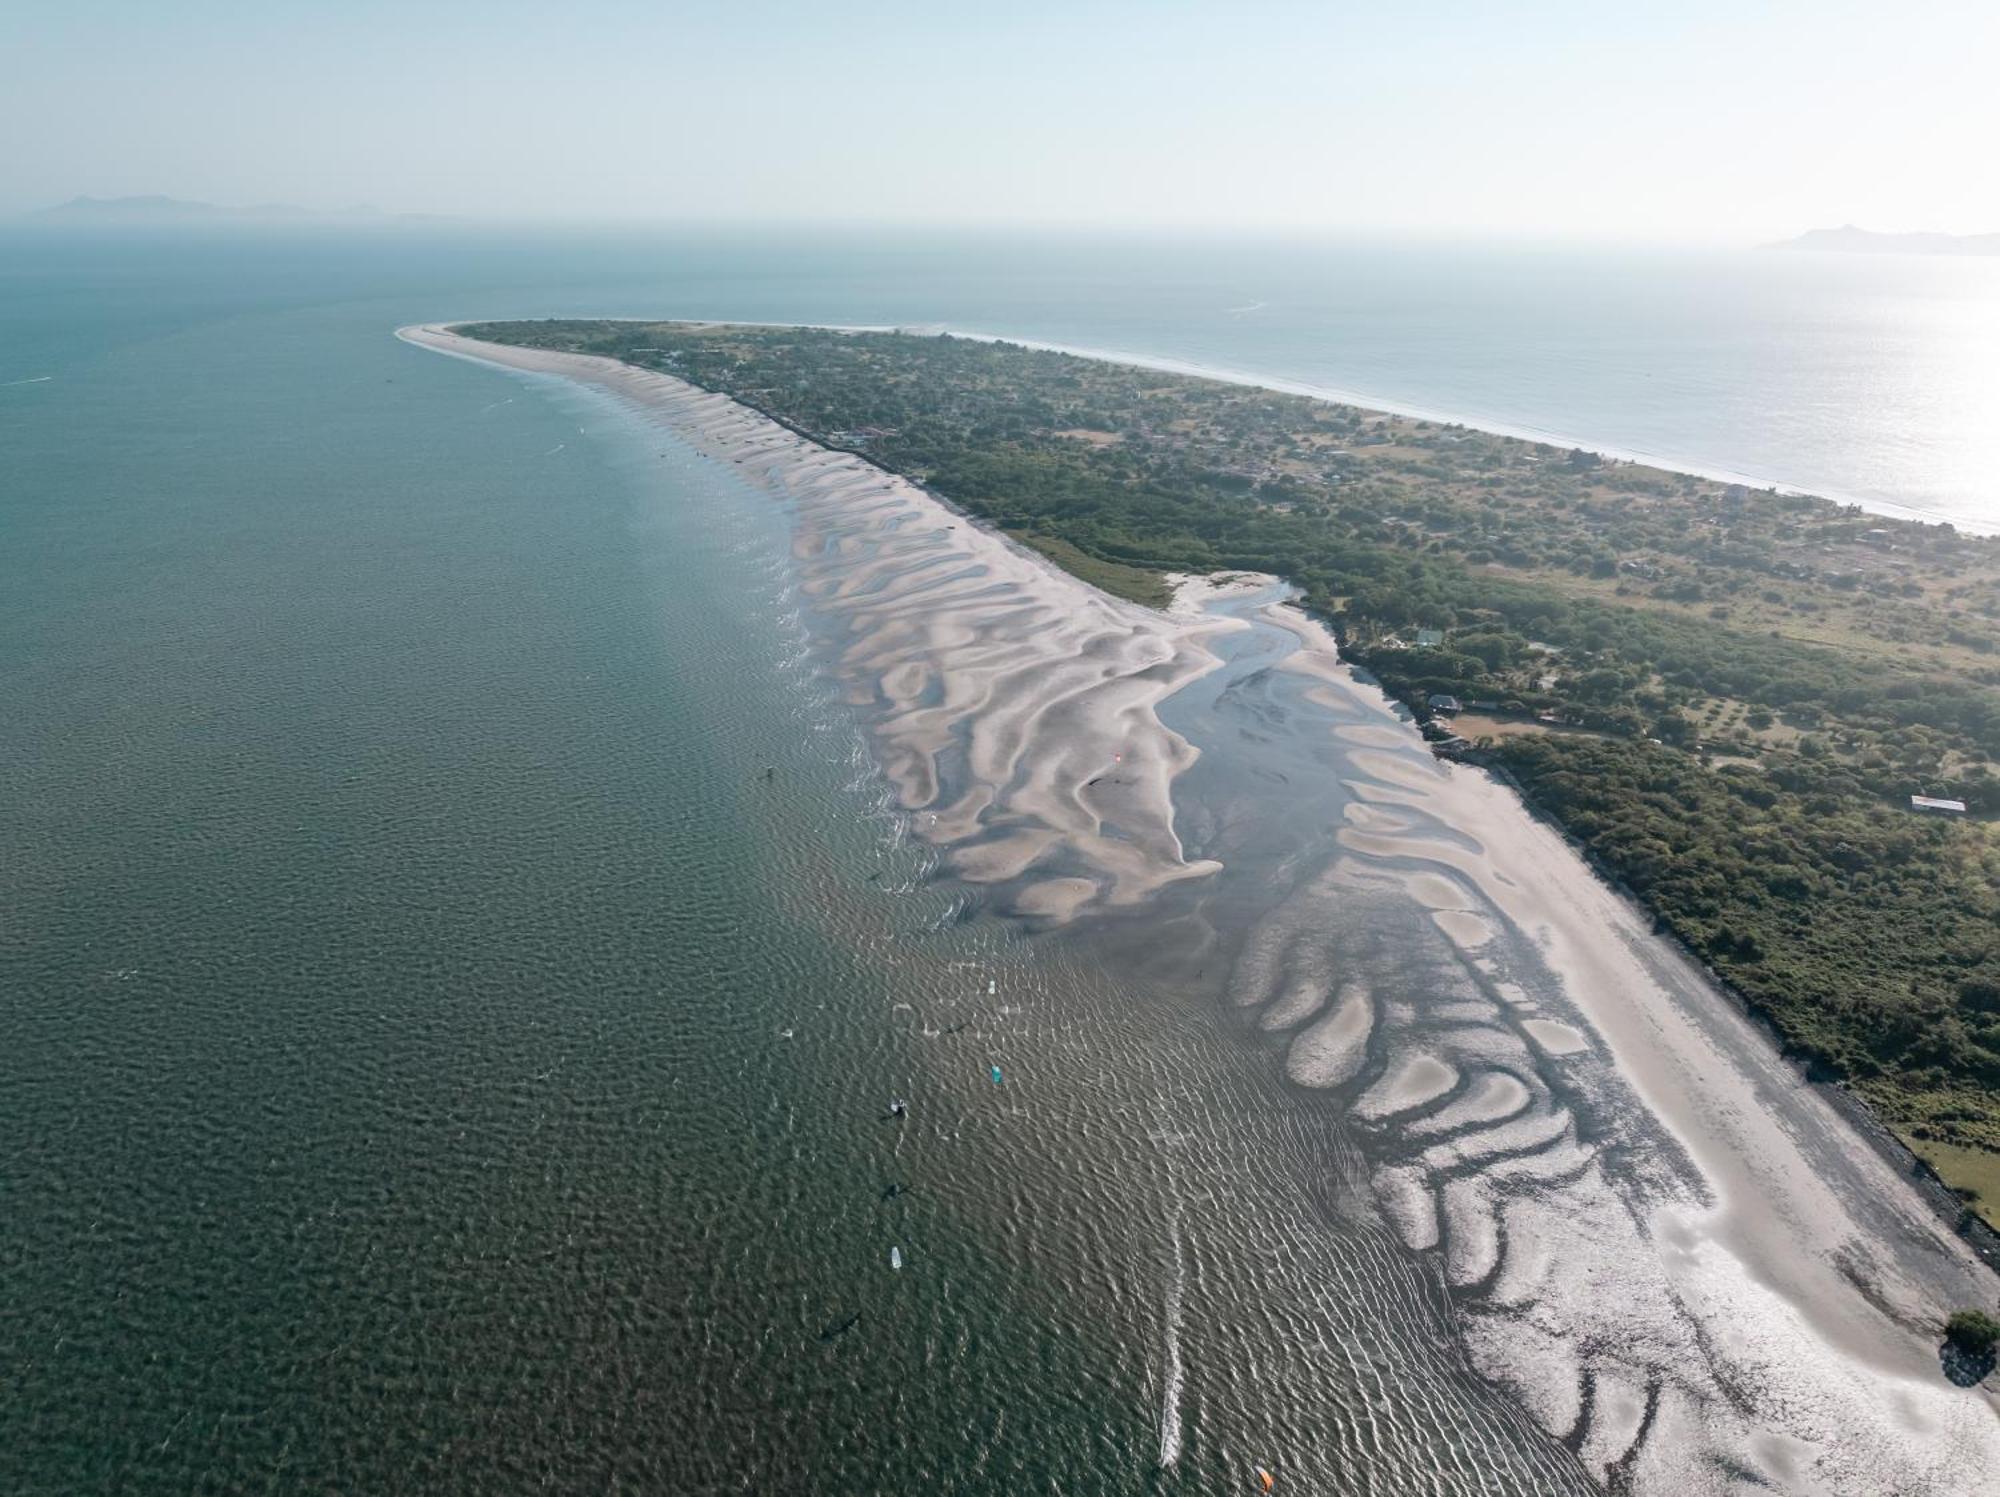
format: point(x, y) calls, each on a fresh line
point(1174, 1374)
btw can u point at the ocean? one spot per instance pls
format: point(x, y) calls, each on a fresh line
point(1871, 379)
point(458, 954)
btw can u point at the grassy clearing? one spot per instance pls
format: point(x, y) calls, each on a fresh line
point(1477, 725)
point(1139, 584)
point(1976, 1171)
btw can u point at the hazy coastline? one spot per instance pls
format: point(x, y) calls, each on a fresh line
point(1004, 694)
point(1412, 410)
point(1335, 395)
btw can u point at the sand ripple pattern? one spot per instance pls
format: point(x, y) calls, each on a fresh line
point(1013, 707)
point(1672, 1325)
point(1649, 1236)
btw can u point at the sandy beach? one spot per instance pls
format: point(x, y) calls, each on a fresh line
point(1668, 1246)
point(1658, 1239)
point(1012, 706)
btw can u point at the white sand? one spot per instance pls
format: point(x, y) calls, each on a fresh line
point(1194, 595)
point(1556, 1038)
point(1779, 1311)
point(1014, 705)
point(1333, 1049)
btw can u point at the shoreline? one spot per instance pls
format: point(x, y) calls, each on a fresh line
point(1013, 704)
point(1946, 1207)
point(1808, 1266)
point(1773, 1235)
point(1192, 594)
point(1888, 509)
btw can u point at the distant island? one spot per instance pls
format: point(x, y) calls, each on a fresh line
point(154, 209)
point(1849, 240)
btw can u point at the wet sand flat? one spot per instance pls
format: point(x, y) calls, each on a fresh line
point(1012, 706)
point(1671, 1248)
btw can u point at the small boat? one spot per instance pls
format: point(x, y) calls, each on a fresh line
point(1266, 1479)
point(992, 987)
point(895, 1257)
point(996, 1075)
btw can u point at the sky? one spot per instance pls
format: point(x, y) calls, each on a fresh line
point(1704, 121)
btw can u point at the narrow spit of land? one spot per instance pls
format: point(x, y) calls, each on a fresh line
point(1728, 697)
point(1661, 1246)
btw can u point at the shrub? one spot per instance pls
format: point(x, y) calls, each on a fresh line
point(1973, 1332)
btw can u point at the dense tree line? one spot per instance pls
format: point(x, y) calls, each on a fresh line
point(1869, 937)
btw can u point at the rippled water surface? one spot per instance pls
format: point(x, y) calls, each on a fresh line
point(458, 953)
point(457, 958)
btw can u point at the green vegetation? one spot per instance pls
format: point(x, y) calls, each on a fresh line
point(1140, 584)
point(1864, 933)
point(1973, 1332)
point(1973, 1173)
point(1749, 686)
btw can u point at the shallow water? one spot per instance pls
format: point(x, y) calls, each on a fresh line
point(440, 1058)
point(1685, 1322)
point(1652, 1235)
point(459, 951)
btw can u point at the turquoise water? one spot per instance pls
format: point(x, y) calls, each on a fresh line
point(437, 1056)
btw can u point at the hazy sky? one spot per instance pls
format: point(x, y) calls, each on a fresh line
point(1707, 119)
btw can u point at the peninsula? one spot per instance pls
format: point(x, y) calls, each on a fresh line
point(1772, 718)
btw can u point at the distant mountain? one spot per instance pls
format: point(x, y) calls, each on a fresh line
point(1848, 240)
point(128, 210)
point(154, 209)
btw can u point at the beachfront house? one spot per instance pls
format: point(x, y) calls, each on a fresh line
point(1443, 703)
point(1429, 639)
